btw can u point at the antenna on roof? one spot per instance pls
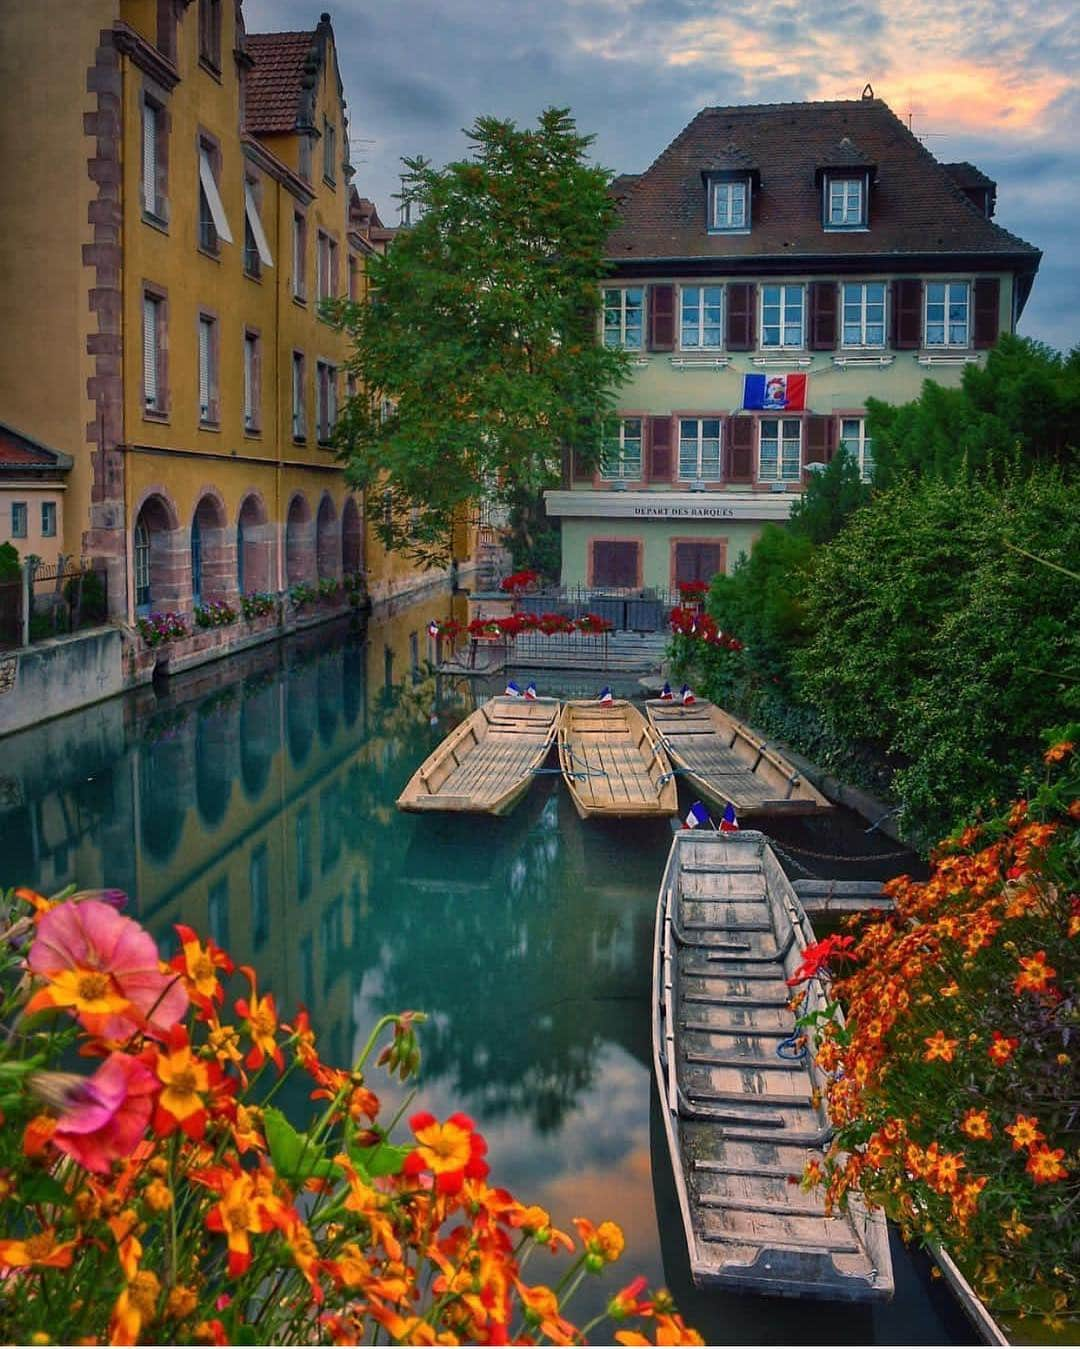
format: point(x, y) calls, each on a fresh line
point(868, 90)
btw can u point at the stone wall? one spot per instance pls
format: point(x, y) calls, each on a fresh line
point(57, 676)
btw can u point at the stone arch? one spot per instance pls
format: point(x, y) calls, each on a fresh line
point(213, 550)
point(352, 538)
point(299, 541)
point(159, 562)
point(254, 546)
point(327, 540)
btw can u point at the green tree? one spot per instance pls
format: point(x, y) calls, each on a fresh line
point(481, 334)
point(829, 499)
point(1021, 407)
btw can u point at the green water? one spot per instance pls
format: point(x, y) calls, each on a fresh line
point(254, 800)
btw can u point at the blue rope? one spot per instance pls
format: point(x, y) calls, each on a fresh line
point(798, 1052)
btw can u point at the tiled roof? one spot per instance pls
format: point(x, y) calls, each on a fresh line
point(22, 452)
point(915, 206)
point(964, 174)
point(275, 83)
point(843, 155)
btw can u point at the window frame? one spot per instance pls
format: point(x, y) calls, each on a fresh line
point(326, 409)
point(48, 532)
point(210, 408)
point(782, 440)
point(255, 240)
point(210, 36)
point(606, 308)
point(299, 257)
point(946, 323)
point(252, 377)
point(213, 224)
point(329, 151)
point(847, 180)
point(702, 307)
point(623, 475)
point(716, 185)
point(782, 322)
point(700, 438)
point(863, 445)
point(141, 567)
point(24, 515)
point(864, 323)
point(326, 256)
point(155, 203)
point(158, 409)
point(299, 397)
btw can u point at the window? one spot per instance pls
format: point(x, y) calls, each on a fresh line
point(947, 313)
point(354, 277)
point(208, 369)
point(729, 200)
point(196, 561)
point(622, 449)
point(697, 560)
point(329, 149)
point(210, 33)
point(864, 314)
point(299, 256)
point(154, 159)
point(624, 314)
point(780, 450)
point(854, 438)
point(699, 448)
point(18, 519)
point(154, 353)
point(615, 562)
point(252, 381)
point(327, 266)
point(48, 519)
point(782, 316)
point(142, 568)
point(844, 203)
point(702, 316)
point(299, 420)
point(326, 400)
point(213, 223)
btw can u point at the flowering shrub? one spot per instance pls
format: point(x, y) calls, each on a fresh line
point(158, 628)
point(214, 614)
point(518, 581)
point(355, 585)
point(693, 590)
point(688, 622)
point(953, 1088)
point(161, 1198)
point(592, 623)
point(449, 628)
point(486, 628)
point(328, 587)
point(302, 594)
point(549, 624)
point(257, 603)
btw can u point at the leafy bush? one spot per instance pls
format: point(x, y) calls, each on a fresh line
point(328, 587)
point(10, 566)
point(158, 628)
point(257, 603)
point(829, 499)
point(302, 594)
point(215, 614)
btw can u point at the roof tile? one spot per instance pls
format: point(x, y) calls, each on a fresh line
point(275, 82)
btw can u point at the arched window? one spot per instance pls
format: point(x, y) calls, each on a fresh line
point(196, 561)
point(240, 555)
point(142, 568)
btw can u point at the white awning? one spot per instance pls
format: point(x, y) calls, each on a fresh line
point(257, 230)
point(213, 197)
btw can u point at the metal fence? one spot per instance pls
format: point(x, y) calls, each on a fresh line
point(627, 610)
point(52, 599)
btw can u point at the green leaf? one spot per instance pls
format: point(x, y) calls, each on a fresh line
point(40, 1188)
point(383, 1159)
point(293, 1155)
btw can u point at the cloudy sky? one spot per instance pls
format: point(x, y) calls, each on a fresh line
point(985, 81)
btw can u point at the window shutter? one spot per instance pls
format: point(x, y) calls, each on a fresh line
point(823, 296)
point(741, 298)
point(659, 433)
point(249, 381)
point(615, 562)
point(213, 196)
point(741, 449)
point(149, 157)
point(150, 352)
point(204, 369)
point(986, 307)
point(906, 314)
point(820, 440)
point(254, 220)
point(697, 561)
point(661, 318)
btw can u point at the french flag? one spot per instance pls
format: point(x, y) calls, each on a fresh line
point(696, 816)
point(433, 628)
point(606, 699)
point(687, 695)
point(512, 690)
point(530, 693)
point(729, 823)
point(774, 393)
point(666, 695)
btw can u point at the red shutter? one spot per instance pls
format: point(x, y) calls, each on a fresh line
point(741, 449)
point(615, 562)
point(697, 561)
point(819, 444)
point(659, 432)
point(823, 315)
point(986, 308)
point(661, 318)
point(741, 299)
point(906, 314)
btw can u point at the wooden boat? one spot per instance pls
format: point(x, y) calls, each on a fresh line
point(487, 763)
point(724, 761)
point(613, 762)
point(741, 1119)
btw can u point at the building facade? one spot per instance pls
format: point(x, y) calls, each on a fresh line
point(33, 483)
point(773, 269)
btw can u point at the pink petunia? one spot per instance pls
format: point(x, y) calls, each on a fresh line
point(105, 1116)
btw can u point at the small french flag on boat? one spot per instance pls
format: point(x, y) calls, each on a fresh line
point(606, 699)
point(729, 822)
point(696, 816)
point(512, 690)
point(530, 692)
point(687, 695)
point(433, 628)
point(666, 695)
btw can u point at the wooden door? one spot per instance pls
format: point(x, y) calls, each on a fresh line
point(615, 562)
point(696, 561)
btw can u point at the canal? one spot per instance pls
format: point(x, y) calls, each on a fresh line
point(254, 800)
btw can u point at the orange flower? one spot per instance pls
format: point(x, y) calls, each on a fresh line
point(1002, 1048)
point(1044, 1165)
point(938, 1047)
point(536, 1223)
point(603, 1244)
point(199, 965)
point(449, 1151)
point(1025, 1133)
point(542, 1310)
point(135, 1307)
point(41, 1251)
point(189, 1085)
point(1058, 752)
point(627, 1303)
point(241, 1213)
point(260, 1023)
point(976, 1124)
point(1035, 973)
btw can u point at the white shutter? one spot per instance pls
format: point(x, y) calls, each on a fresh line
point(261, 244)
point(204, 368)
point(249, 381)
point(213, 196)
point(150, 351)
point(149, 157)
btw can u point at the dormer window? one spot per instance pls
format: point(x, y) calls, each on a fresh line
point(846, 204)
point(730, 205)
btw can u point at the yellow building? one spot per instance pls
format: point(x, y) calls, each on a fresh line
point(177, 204)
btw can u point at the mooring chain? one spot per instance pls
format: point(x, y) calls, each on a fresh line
point(843, 857)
